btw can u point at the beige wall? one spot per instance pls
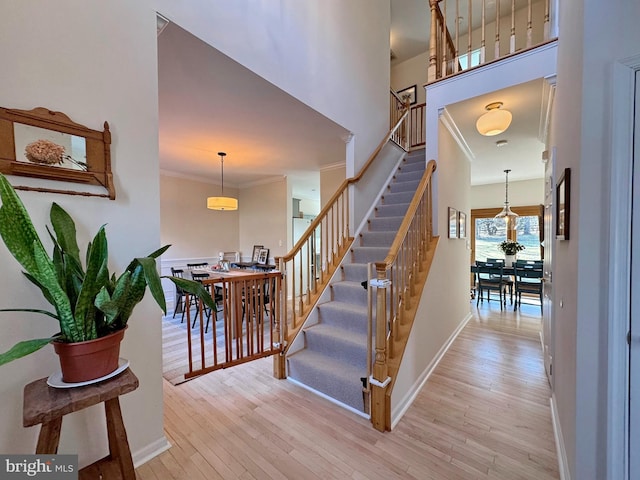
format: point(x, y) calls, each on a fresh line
point(94, 61)
point(189, 226)
point(330, 180)
point(265, 218)
point(525, 192)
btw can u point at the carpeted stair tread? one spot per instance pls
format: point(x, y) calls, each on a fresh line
point(347, 291)
point(348, 346)
point(343, 382)
point(410, 186)
point(377, 239)
point(355, 272)
point(390, 198)
point(377, 224)
point(350, 316)
point(369, 254)
point(394, 210)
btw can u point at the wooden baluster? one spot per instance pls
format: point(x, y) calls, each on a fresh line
point(443, 41)
point(529, 25)
point(483, 33)
point(432, 73)
point(547, 26)
point(469, 21)
point(512, 38)
point(456, 65)
point(497, 46)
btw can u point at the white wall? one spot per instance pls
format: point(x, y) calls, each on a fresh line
point(330, 54)
point(584, 144)
point(521, 193)
point(436, 320)
point(330, 180)
point(94, 61)
point(411, 72)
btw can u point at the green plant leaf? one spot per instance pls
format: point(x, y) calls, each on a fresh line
point(44, 291)
point(32, 310)
point(24, 348)
point(65, 229)
point(194, 288)
point(153, 281)
point(47, 277)
point(95, 278)
point(106, 305)
point(16, 228)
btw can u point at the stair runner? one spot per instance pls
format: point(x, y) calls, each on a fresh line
point(334, 359)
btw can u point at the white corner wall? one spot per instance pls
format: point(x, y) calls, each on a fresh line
point(94, 61)
point(585, 144)
point(330, 54)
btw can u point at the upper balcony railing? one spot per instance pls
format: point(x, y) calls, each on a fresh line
point(470, 33)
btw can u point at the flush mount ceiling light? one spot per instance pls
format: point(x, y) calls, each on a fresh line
point(501, 143)
point(222, 202)
point(495, 121)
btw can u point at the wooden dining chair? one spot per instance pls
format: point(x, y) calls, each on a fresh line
point(507, 280)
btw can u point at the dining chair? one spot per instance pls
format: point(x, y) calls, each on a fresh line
point(508, 282)
point(528, 280)
point(179, 298)
point(191, 266)
point(217, 297)
point(490, 277)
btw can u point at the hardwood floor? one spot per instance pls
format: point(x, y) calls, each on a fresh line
point(483, 414)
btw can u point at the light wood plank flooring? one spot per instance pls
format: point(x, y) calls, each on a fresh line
point(483, 414)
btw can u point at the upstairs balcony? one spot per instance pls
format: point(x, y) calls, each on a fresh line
point(466, 34)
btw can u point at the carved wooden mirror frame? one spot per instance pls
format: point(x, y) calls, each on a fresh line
point(95, 167)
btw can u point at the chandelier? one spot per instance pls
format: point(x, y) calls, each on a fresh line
point(509, 216)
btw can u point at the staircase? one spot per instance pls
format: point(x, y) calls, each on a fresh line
point(334, 358)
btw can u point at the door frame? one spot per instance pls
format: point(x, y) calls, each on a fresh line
point(620, 211)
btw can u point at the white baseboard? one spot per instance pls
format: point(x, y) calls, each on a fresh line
point(405, 403)
point(563, 464)
point(150, 451)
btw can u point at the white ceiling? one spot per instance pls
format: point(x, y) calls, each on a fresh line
point(209, 103)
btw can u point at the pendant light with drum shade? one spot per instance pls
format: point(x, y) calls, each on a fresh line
point(509, 216)
point(495, 121)
point(222, 202)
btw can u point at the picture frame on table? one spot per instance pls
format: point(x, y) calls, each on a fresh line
point(453, 223)
point(563, 194)
point(256, 253)
point(263, 256)
point(409, 93)
point(462, 225)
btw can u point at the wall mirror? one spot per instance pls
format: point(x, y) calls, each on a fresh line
point(41, 143)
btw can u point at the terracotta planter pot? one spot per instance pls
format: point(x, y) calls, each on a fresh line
point(83, 361)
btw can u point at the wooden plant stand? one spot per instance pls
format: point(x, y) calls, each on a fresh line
point(47, 405)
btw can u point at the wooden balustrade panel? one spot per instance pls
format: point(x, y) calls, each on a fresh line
point(513, 27)
point(246, 326)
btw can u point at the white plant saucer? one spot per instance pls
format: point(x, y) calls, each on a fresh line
point(55, 379)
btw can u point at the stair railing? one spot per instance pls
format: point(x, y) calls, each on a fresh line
point(523, 28)
point(309, 266)
point(395, 284)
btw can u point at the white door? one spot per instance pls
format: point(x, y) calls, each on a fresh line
point(634, 362)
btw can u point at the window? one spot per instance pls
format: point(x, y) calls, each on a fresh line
point(463, 59)
point(487, 232)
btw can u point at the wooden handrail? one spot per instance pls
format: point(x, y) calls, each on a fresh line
point(309, 266)
point(396, 280)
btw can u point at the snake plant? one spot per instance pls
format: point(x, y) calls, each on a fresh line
point(88, 302)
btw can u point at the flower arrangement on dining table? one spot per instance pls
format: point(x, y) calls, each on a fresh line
point(510, 247)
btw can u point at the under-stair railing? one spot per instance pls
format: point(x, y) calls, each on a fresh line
point(395, 282)
point(522, 28)
point(309, 266)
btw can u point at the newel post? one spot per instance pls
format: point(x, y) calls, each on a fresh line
point(380, 379)
point(280, 323)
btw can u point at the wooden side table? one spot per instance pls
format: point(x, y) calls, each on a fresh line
point(46, 405)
